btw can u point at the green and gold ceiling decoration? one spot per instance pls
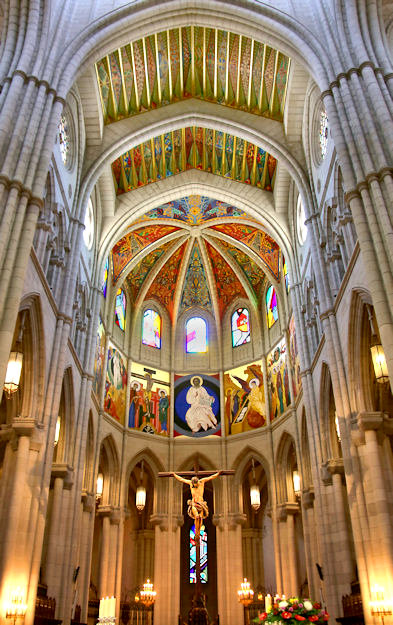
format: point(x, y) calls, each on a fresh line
point(193, 62)
point(194, 148)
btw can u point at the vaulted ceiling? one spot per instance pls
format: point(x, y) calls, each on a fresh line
point(195, 251)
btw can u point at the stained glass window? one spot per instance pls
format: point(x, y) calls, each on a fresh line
point(151, 330)
point(88, 233)
point(203, 555)
point(271, 307)
point(120, 309)
point(64, 139)
point(300, 219)
point(285, 274)
point(323, 133)
point(196, 335)
point(104, 282)
point(240, 327)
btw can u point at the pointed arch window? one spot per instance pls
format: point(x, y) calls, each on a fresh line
point(271, 307)
point(285, 274)
point(323, 133)
point(203, 555)
point(104, 282)
point(120, 309)
point(240, 327)
point(151, 329)
point(196, 336)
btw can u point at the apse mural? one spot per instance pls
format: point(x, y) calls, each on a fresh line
point(129, 246)
point(115, 385)
point(196, 289)
point(254, 274)
point(149, 400)
point(245, 407)
point(193, 62)
point(99, 358)
point(194, 147)
point(258, 241)
point(278, 380)
point(164, 286)
point(227, 283)
point(195, 210)
point(138, 275)
point(295, 359)
point(197, 405)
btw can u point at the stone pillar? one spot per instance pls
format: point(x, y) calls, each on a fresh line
point(104, 512)
point(51, 571)
point(311, 543)
point(287, 532)
point(167, 567)
point(86, 545)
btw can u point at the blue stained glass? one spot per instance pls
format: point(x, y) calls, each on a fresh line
point(151, 330)
point(240, 327)
point(120, 309)
point(196, 336)
point(271, 307)
point(104, 282)
point(285, 272)
point(203, 555)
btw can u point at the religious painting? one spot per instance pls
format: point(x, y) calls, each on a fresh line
point(295, 360)
point(149, 400)
point(245, 406)
point(99, 358)
point(197, 405)
point(115, 385)
point(278, 380)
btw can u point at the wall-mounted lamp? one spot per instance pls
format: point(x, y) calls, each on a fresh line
point(255, 494)
point(57, 431)
point(140, 498)
point(296, 483)
point(16, 607)
point(379, 361)
point(14, 370)
point(337, 426)
point(99, 486)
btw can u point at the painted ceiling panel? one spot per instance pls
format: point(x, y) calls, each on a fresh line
point(257, 240)
point(137, 276)
point(192, 61)
point(164, 286)
point(130, 245)
point(195, 210)
point(196, 290)
point(194, 148)
point(227, 284)
point(254, 274)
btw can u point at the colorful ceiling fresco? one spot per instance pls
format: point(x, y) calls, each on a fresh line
point(194, 148)
point(196, 290)
point(254, 274)
point(194, 210)
point(257, 240)
point(227, 284)
point(129, 246)
point(193, 62)
point(164, 286)
point(137, 276)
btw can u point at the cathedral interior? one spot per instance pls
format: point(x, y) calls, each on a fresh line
point(196, 249)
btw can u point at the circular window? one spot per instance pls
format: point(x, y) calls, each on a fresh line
point(300, 219)
point(88, 233)
point(323, 133)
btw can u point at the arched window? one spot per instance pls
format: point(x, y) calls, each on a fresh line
point(323, 133)
point(151, 329)
point(203, 555)
point(285, 274)
point(104, 282)
point(196, 335)
point(271, 307)
point(240, 327)
point(120, 309)
point(64, 139)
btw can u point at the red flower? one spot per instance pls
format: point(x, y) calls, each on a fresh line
point(286, 614)
point(299, 617)
point(313, 618)
point(317, 605)
point(263, 616)
point(326, 616)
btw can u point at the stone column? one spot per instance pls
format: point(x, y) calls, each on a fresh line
point(167, 567)
point(288, 511)
point(104, 512)
point(311, 543)
point(52, 572)
point(86, 545)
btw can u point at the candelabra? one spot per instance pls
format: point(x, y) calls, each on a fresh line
point(16, 608)
point(379, 606)
point(246, 597)
point(107, 611)
point(148, 594)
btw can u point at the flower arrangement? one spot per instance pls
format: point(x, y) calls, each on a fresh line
point(293, 611)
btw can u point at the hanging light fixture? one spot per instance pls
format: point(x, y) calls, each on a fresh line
point(57, 431)
point(255, 494)
point(99, 486)
point(296, 482)
point(377, 353)
point(140, 498)
point(14, 370)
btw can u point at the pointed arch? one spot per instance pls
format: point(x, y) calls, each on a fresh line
point(109, 467)
point(286, 463)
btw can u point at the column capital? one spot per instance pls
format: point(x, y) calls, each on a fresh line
point(376, 421)
point(231, 520)
point(308, 497)
point(104, 511)
point(286, 509)
point(335, 465)
point(88, 501)
point(24, 426)
point(160, 520)
point(115, 516)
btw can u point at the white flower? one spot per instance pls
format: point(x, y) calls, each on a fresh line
point(283, 604)
point(308, 605)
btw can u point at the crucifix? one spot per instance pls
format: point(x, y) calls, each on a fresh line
point(197, 510)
